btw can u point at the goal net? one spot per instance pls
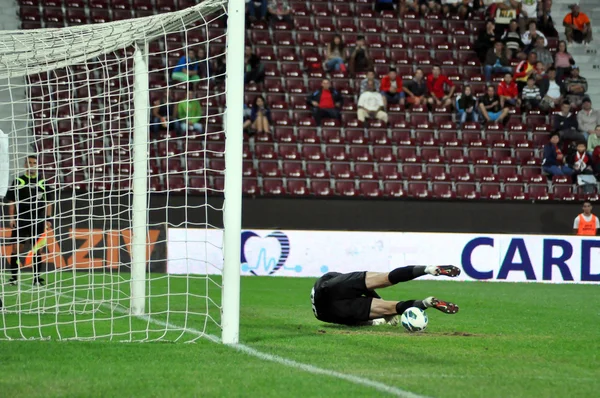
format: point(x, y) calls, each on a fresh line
point(117, 148)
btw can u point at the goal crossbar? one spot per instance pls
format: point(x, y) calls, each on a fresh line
point(27, 52)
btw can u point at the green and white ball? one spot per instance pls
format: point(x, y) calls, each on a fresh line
point(414, 319)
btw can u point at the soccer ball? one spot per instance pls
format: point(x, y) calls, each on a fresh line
point(414, 319)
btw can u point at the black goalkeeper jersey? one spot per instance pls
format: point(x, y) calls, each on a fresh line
point(31, 197)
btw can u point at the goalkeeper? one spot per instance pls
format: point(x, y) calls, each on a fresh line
point(350, 299)
point(29, 209)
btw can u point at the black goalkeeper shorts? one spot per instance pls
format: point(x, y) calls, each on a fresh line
point(27, 231)
point(340, 298)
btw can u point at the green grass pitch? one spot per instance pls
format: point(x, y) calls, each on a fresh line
point(508, 340)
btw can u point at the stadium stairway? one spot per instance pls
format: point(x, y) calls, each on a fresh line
point(588, 58)
point(9, 20)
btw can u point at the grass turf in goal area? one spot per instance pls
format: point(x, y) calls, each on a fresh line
point(508, 340)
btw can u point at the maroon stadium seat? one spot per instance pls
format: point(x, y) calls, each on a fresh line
point(393, 189)
point(346, 188)
point(418, 190)
point(491, 191)
point(292, 169)
point(389, 171)
point(317, 170)
point(509, 174)
point(273, 186)
point(466, 191)
point(460, 173)
point(413, 172)
point(288, 151)
point(485, 174)
point(442, 190)
point(515, 192)
point(321, 187)
point(341, 170)
point(384, 154)
point(365, 171)
point(297, 187)
point(268, 169)
point(538, 192)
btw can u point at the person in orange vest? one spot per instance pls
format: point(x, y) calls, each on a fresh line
point(586, 224)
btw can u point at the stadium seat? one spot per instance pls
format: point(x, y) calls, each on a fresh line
point(378, 137)
point(393, 189)
point(431, 155)
point(384, 154)
point(360, 153)
point(346, 188)
point(321, 187)
point(413, 172)
point(560, 180)
point(317, 170)
point(563, 192)
point(408, 155)
point(389, 171)
point(454, 155)
point(460, 173)
point(365, 171)
point(418, 190)
point(288, 151)
point(273, 186)
point(533, 175)
point(265, 151)
point(509, 174)
point(491, 191)
point(369, 189)
point(250, 186)
point(466, 191)
point(538, 192)
point(515, 192)
point(297, 187)
point(336, 152)
point(479, 156)
point(485, 174)
point(441, 190)
point(341, 170)
point(308, 135)
point(268, 169)
point(436, 172)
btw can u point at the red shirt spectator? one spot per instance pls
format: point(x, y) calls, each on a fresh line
point(509, 90)
point(326, 100)
point(436, 85)
point(386, 84)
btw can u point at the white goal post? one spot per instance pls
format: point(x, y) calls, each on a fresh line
point(86, 98)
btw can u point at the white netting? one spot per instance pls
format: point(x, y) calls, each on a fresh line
point(71, 96)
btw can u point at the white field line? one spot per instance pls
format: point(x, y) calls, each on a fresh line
point(398, 392)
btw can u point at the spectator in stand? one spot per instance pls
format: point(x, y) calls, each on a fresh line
point(496, 61)
point(594, 143)
point(554, 162)
point(384, 5)
point(530, 36)
point(260, 117)
point(508, 92)
point(551, 90)
point(371, 105)
point(280, 11)
point(391, 88)
point(563, 61)
point(254, 69)
point(531, 95)
point(466, 106)
point(335, 55)
point(588, 118)
point(580, 161)
point(416, 89)
point(546, 23)
point(578, 27)
point(326, 102)
point(204, 67)
point(512, 37)
point(162, 111)
point(186, 69)
point(489, 106)
point(188, 114)
point(436, 84)
point(256, 9)
point(218, 69)
point(462, 8)
point(360, 60)
point(576, 86)
point(543, 54)
point(370, 78)
point(540, 72)
point(528, 12)
point(525, 69)
point(565, 123)
point(485, 41)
